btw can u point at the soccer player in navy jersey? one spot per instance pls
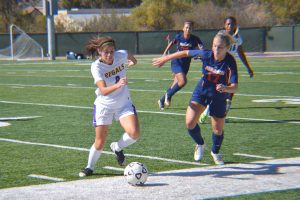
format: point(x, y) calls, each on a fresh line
point(180, 66)
point(219, 68)
point(231, 27)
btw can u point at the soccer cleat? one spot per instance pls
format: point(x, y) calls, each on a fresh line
point(86, 172)
point(161, 105)
point(167, 100)
point(119, 154)
point(228, 105)
point(199, 151)
point(204, 115)
point(217, 158)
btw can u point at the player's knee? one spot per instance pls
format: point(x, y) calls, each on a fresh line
point(182, 82)
point(218, 131)
point(190, 124)
point(99, 144)
point(134, 134)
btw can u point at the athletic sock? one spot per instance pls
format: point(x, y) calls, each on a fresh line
point(195, 133)
point(124, 141)
point(93, 157)
point(217, 142)
point(162, 99)
point(206, 111)
point(171, 91)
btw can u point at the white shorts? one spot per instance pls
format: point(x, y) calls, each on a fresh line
point(104, 116)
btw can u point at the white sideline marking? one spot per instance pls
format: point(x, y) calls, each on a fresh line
point(114, 168)
point(18, 118)
point(252, 156)
point(184, 184)
point(150, 112)
point(296, 148)
point(104, 152)
point(265, 120)
point(3, 124)
point(46, 177)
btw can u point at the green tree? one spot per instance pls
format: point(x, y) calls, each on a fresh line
point(108, 23)
point(284, 12)
point(8, 9)
point(157, 14)
point(68, 4)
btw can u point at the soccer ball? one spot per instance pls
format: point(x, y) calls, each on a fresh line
point(136, 173)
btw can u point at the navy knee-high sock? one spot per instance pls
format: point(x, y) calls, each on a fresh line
point(195, 133)
point(217, 142)
point(171, 91)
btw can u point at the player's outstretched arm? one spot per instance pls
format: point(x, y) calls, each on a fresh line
point(159, 62)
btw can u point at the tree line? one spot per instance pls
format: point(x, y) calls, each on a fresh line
point(153, 15)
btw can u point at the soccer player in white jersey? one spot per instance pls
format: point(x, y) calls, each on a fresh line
point(231, 27)
point(113, 100)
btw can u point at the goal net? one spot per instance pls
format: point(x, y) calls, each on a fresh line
point(22, 46)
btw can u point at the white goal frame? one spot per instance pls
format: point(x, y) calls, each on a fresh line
point(11, 33)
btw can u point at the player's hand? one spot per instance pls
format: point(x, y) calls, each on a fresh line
point(130, 63)
point(158, 62)
point(122, 82)
point(251, 73)
point(221, 88)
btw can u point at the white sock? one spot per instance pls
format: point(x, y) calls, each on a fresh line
point(206, 110)
point(124, 141)
point(93, 157)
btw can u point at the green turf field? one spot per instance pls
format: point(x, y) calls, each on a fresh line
point(61, 94)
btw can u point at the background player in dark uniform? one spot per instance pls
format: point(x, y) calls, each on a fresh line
point(180, 66)
point(213, 89)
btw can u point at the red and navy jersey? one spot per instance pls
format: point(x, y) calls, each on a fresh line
point(185, 44)
point(217, 72)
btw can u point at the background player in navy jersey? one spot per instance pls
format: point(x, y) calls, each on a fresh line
point(180, 66)
point(231, 27)
point(212, 88)
point(112, 100)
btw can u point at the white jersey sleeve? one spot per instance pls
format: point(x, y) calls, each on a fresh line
point(111, 74)
point(237, 42)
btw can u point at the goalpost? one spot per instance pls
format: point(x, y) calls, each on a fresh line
point(22, 46)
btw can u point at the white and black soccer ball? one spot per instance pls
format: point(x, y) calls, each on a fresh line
point(136, 173)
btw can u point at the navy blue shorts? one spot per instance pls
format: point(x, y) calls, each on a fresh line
point(180, 66)
point(205, 94)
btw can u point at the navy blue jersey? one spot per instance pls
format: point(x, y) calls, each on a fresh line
point(217, 72)
point(214, 72)
point(183, 64)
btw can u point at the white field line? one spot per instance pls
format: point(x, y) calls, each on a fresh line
point(149, 112)
point(114, 168)
point(296, 148)
point(104, 152)
point(40, 63)
point(141, 90)
point(252, 156)
point(3, 124)
point(18, 118)
point(46, 177)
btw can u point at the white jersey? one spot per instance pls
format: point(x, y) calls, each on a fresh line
point(111, 74)
point(237, 42)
